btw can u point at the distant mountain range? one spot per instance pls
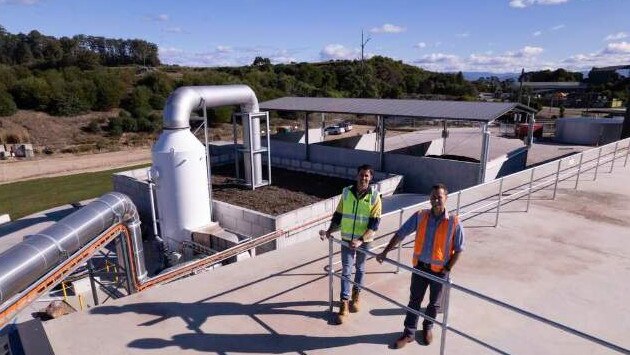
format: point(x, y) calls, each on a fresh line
point(474, 75)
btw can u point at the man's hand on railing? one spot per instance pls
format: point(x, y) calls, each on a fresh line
point(324, 234)
point(355, 243)
point(381, 257)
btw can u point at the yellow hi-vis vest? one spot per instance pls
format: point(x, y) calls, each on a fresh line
point(443, 247)
point(356, 213)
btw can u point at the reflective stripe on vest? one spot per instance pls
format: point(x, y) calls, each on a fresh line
point(356, 213)
point(443, 240)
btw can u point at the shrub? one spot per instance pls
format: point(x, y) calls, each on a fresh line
point(129, 124)
point(157, 101)
point(94, 126)
point(138, 102)
point(115, 126)
point(109, 90)
point(67, 104)
point(7, 105)
point(145, 125)
point(32, 93)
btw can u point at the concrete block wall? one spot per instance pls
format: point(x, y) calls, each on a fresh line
point(134, 184)
point(321, 210)
point(242, 220)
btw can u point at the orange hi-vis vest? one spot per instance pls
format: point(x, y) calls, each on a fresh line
point(443, 247)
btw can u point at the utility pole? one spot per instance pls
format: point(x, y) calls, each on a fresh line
point(520, 88)
point(363, 43)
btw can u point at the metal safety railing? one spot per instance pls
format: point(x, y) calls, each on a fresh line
point(489, 198)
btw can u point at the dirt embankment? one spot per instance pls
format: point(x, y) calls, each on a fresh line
point(67, 164)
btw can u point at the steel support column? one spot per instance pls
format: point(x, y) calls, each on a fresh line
point(381, 156)
point(485, 145)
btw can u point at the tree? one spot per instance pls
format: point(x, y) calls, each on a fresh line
point(109, 90)
point(262, 63)
point(7, 105)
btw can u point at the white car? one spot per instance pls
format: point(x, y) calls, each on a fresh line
point(334, 130)
point(347, 126)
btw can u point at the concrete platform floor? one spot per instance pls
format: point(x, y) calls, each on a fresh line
point(567, 260)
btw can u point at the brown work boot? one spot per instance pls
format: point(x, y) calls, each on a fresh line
point(354, 302)
point(402, 341)
point(427, 336)
point(343, 312)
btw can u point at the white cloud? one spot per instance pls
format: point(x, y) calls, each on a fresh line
point(528, 51)
point(507, 62)
point(525, 3)
point(617, 48)
point(225, 56)
point(462, 35)
point(555, 28)
point(160, 18)
point(616, 36)
point(388, 28)
point(338, 51)
point(174, 30)
point(420, 45)
point(224, 49)
point(537, 33)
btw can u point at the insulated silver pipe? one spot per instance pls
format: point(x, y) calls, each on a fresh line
point(26, 262)
point(188, 98)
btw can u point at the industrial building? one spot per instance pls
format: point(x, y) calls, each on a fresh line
point(159, 253)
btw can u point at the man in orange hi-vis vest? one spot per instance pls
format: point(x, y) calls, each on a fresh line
point(439, 242)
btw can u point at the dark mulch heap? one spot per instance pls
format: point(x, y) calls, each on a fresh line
point(289, 190)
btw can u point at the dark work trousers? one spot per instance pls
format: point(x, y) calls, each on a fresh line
point(417, 290)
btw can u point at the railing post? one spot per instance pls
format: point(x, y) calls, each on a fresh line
point(400, 223)
point(599, 154)
point(555, 186)
point(529, 189)
point(330, 274)
point(577, 177)
point(459, 195)
point(612, 163)
point(496, 220)
point(447, 301)
point(627, 153)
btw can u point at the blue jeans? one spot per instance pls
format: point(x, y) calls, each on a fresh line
point(347, 259)
point(417, 290)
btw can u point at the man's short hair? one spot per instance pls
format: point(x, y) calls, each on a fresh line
point(367, 167)
point(440, 186)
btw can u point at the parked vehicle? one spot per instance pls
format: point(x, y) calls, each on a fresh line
point(347, 126)
point(334, 130)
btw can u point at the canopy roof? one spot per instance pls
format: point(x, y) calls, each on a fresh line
point(444, 110)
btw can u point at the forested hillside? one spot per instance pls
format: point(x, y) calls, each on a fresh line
point(70, 76)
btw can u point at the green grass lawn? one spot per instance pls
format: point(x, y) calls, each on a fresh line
point(20, 199)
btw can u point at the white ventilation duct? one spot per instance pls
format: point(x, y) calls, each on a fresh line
point(179, 163)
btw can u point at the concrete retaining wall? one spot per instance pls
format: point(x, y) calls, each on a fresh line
point(507, 164)
point(249, 222)
point(420, 173)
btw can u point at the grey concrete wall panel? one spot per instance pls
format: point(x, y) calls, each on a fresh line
point(507, 164)
point(420, 173)
point(588, 130)
point(289, 150)
point(343, 157)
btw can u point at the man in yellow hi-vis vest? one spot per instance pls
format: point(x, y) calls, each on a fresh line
point(439, 242)
point(357, 216)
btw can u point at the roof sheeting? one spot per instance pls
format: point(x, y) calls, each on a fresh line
point(448, 110)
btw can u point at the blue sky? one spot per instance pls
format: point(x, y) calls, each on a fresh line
point(443, 35)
